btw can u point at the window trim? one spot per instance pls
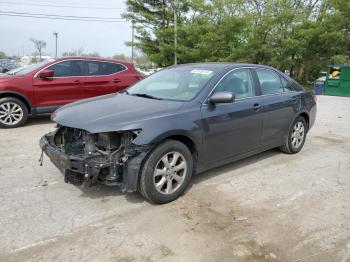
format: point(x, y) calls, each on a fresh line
point(77, 59)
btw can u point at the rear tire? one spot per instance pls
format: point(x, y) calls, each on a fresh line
point(296, 137)
point(166, 173)
point(13, 112)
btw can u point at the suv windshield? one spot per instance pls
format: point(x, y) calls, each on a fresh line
point(28, 68)
point(181, 83)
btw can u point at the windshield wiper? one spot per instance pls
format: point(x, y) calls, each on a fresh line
point(147, 96)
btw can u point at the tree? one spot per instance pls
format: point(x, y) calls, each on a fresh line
point(39, 45)
point(302, 37)
point(92, 54)
point(154, 21)
point(2, 55)
point(119, 57)
point(80, 52)
point(74, 52)
point(341, 18)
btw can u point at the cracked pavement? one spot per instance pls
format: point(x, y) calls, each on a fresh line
point(270, 207)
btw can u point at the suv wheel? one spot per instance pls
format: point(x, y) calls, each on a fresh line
point(296, 136)
point(13, 112)
point(166, 173)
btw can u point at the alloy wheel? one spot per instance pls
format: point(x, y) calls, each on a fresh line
point(298, 134)
point(10, 113)
point(170, 173)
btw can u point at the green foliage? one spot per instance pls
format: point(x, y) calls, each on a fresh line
point(2, 55)
point(302, 37)
point(119, 57)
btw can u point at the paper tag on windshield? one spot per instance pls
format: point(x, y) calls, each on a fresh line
point(201, 72)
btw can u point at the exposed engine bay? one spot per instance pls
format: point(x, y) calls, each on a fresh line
point(87, 158)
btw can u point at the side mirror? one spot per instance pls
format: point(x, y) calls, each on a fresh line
point(221, 97)
point(46, 74)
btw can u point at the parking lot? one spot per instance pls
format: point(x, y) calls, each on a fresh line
point(270, 207)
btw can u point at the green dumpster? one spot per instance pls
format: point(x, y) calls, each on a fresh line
point(338, 81)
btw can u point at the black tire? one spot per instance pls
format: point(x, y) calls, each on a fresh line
point(13, 101)
point(148, 179)
point(289, 146)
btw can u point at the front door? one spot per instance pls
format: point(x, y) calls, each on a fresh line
point(66, 86)
point(235, 128)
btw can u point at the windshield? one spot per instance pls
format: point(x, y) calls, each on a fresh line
point(27, 69)
point(181, 83)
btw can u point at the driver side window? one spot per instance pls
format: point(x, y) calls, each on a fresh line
point(238, 82)
point(67, 68)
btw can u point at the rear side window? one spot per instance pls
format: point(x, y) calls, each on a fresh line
point(296, 85)
point(67, 68)
point(287, 86)
point(270, 83)
point(97, 68)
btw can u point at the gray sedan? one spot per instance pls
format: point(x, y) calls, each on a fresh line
point(180, 121)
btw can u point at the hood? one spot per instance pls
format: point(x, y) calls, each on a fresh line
point(113, 112)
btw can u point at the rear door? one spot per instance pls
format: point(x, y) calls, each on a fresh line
point(67, 84)
point(235, 128)
point(104, 78)
point(279, 102)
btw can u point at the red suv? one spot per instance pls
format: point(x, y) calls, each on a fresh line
point(43, 87)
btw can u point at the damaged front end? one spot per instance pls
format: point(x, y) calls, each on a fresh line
point(85, 158)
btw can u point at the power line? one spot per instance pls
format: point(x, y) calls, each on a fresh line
point(55, 2)
point(63, 16)
point(60, 6)
point(56, 18)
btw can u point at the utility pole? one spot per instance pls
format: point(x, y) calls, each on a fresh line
point(132, 41)
point(175, 31)
point(56, 36)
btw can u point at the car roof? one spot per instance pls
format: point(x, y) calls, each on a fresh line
point(92, 58)
point(222, 65)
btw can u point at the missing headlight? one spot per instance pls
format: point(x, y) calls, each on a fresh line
point(108, 141)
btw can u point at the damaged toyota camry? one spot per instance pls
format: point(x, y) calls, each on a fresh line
point(181, 121)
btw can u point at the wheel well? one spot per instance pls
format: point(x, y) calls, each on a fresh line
point(306, 117)
point(4, 95)
point(185, 140)
point(190, 145)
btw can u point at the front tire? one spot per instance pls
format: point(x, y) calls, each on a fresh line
point(166, 173)
point(296, 136)
point(13, 112)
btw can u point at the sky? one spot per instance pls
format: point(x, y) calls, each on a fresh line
point(107, 39)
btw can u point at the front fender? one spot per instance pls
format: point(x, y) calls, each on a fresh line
point(156, 130)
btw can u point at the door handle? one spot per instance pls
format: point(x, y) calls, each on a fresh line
point(256, 107)
point(116, 81)
point(295, 99)
point(76, 82)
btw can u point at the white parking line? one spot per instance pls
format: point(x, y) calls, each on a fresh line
point(42, 242)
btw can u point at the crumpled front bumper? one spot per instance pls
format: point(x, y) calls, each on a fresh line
point(85, 170)
point(77, 169)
